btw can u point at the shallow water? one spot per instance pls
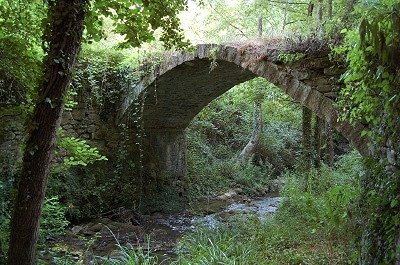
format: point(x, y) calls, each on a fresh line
point(160, 233)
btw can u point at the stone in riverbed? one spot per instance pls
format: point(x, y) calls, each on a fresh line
point(227, 195)
point(93, 229)
point(77, 229)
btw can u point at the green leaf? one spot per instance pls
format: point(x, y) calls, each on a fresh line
point(394, 203)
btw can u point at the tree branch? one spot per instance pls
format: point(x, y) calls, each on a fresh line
point(229, 23)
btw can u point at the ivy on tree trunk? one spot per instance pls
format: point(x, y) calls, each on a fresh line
point(64, 34)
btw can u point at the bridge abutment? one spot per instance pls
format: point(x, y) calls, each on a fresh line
point(165, 153)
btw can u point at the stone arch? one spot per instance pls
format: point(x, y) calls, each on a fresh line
point(171, 96)
point(184, 84)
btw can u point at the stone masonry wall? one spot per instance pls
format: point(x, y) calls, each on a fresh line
point(86, 121)
point(11, 135)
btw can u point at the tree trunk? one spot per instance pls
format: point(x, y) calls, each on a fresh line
point(249, 149)
point(260, 27)
point(64, 34)
point(330, 148)
point(349, 8)
point(319, 18)
point(317, 141)
point(330, 9)
point(307, 138)
point(285, 15)
point(310, 9)
point(320, 12)
point(2, 255)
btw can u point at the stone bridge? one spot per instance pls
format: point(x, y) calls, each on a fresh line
point(186, 82)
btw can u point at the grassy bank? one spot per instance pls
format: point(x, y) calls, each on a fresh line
point(315, 224)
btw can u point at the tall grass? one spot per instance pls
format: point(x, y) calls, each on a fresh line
point(315, 224)
point(132, 256)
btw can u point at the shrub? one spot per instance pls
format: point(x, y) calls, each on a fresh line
point(53, 222)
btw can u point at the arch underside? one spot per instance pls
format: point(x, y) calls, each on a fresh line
point(181, 93)
point(180, 88)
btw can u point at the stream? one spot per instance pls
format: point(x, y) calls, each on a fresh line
point(158, 233)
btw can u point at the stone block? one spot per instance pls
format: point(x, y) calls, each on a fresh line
point(305, 93)
point(316, 63)
point(79, 114)
point(300, 75)
point(92, 128)
point(8, 135)
point(332, 95)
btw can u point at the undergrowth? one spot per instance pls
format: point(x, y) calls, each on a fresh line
point(220, 131)
point(316, 224)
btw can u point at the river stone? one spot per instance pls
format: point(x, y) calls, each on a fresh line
point(93, 229)
point(77, 229)
point(227, 195)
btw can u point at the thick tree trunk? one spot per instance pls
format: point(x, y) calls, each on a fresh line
point(307, 114)
point(66, 23)
point(249, 149)
point(317, 141)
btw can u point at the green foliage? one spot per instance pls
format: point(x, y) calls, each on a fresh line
point(138, 20)
point(222, 129)
point(82, 192)
point(20, 49)
point(102, 73)
point(105, 73)
point(53, 222)
point(6, 195)
point(88, 190)
point(136, 256)
point(372, 80)
point(79, 152)
point(229, 21)
point(224, 246)
point(70, 103)
point(290, 57)
point(316, 223)
point(371, 96)
point(251, 177)
point(380, 214)
point(326, 196)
